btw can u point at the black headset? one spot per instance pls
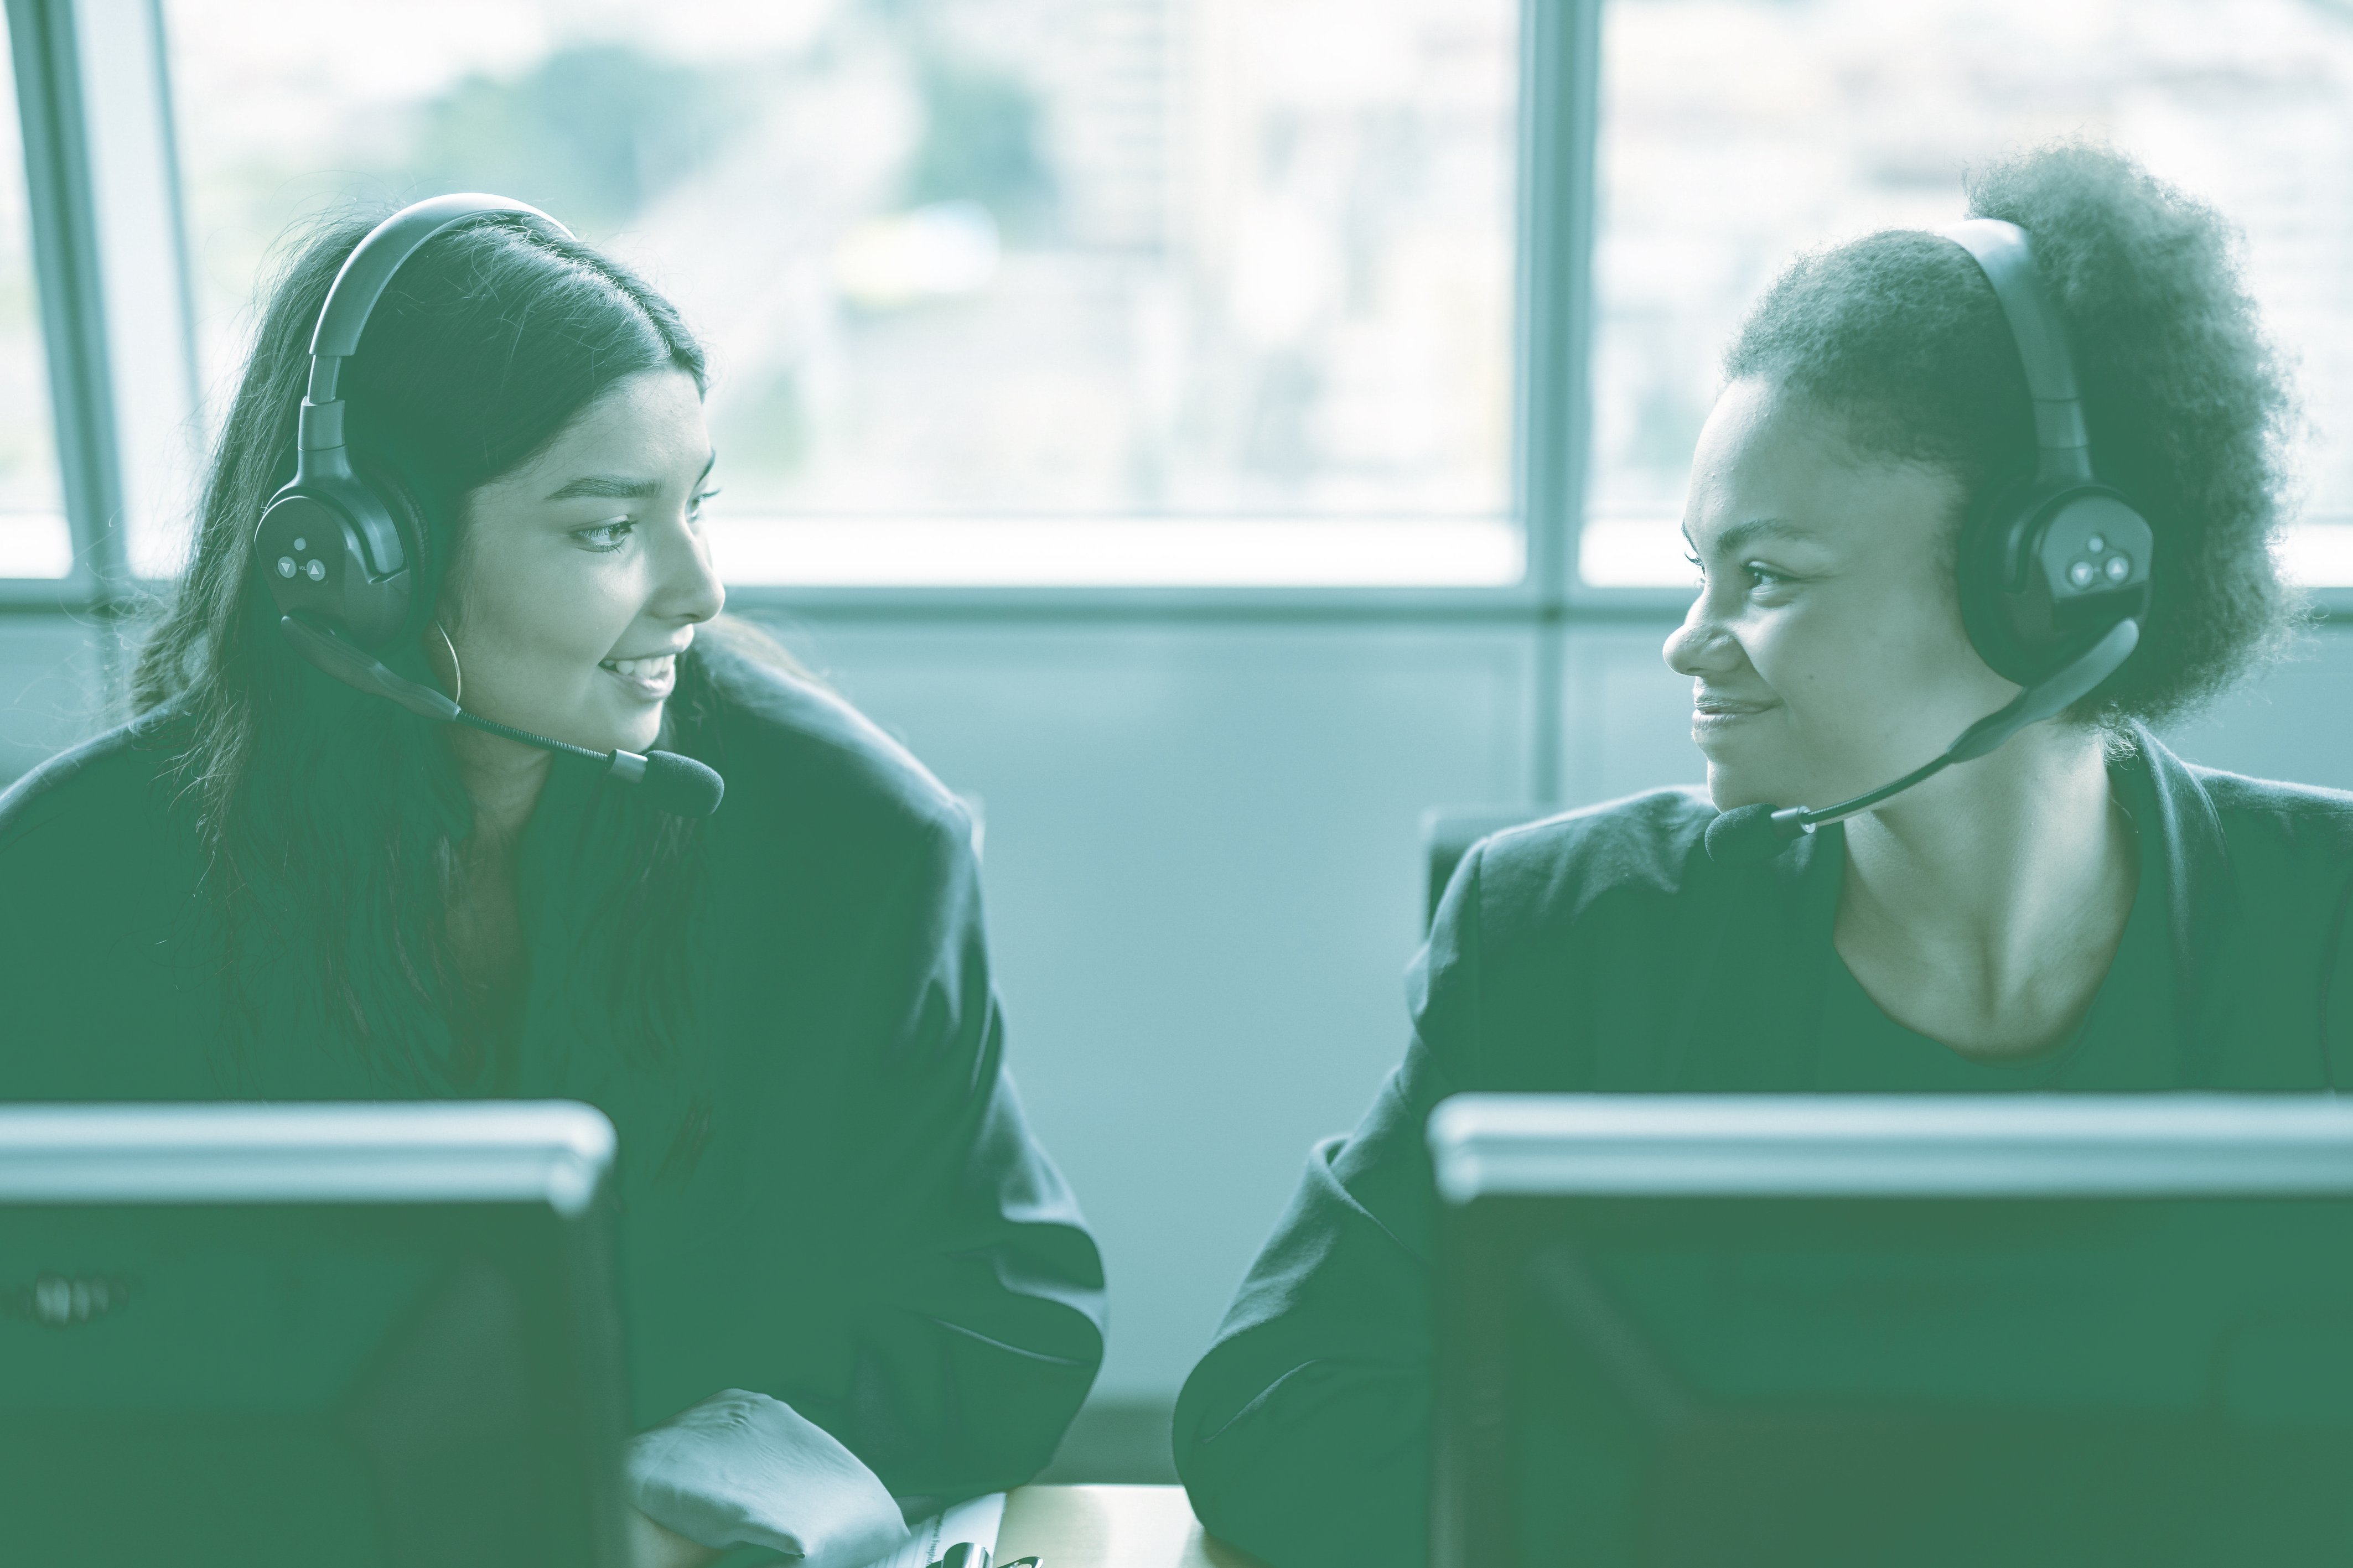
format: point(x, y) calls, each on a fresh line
point(347, 555)
point(2049, 564)
point(2054, 568)
point(346, 552)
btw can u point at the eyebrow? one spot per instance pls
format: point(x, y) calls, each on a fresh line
point(1740, 535)
point(606, 487)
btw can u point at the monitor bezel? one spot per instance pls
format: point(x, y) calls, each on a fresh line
point(555, 1152)
point(2015, 1145)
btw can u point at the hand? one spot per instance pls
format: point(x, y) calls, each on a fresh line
point(744, 1469)
point(651, 1546)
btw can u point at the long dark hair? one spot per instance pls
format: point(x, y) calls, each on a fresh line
point(330, 822)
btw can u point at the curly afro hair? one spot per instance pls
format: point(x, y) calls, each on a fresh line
point(1899, 335)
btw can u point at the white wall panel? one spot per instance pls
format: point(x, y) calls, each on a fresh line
point(1628, 724)
point(52, 687)
point(1204, 883)
point(2294, 723)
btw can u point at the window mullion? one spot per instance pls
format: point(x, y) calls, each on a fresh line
point(53, 109)
point(1560, 86)
point(1560, 80)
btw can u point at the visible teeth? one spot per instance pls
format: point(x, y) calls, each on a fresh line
point(632, 669)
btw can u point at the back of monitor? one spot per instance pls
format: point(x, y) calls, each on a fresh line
point(1694, 1334)
point(280, 1334)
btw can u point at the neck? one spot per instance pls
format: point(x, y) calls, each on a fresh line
point(2003, 873)
point(503, 778)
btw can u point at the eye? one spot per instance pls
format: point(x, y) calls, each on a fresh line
point(694, 502)
point(1760, 575)
point(605, 537)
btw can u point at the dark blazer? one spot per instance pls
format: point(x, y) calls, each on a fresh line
point(1603, 951)
point(870, 1232)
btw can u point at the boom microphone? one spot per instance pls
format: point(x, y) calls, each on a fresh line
point(1748, 834)
point(668, 782)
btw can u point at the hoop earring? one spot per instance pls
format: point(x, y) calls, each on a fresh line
point(457, 673)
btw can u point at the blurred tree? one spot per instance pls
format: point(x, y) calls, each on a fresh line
point(982, 139)
point(765, 430)
point(980, 143)
point(588, 133)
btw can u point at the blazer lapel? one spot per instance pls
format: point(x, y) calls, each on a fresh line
point(2199, 892)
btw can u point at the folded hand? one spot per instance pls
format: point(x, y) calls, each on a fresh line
point(744, 1469)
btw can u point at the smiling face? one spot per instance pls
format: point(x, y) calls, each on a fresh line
point(584, 572)
point(1826, 650)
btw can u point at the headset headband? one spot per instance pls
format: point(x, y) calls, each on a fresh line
point(352, 299)
point(2062, 443)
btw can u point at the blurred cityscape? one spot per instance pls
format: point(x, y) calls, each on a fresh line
point(32, 538)
point(989, 270)
point(1735, 133)
point(1026, 258)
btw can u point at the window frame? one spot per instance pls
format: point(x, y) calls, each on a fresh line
point(111, 268)
point(1552, 225)
point(93, 202)
point(1587, 602)
point(1559, 85)
point(57, 188)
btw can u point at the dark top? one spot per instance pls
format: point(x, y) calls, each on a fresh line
point(870, 1234)
point(1602, 951)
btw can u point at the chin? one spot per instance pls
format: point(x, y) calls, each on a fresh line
point(1727, 790)
point(1730, 785)
point(640, 735)
point(606, 731)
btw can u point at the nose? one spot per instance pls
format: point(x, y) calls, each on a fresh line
point(688, 590)
point(1701, 646)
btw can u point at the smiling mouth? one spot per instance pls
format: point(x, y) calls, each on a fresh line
point(648, 680)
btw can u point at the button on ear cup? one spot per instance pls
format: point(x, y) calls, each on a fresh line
point(2045, 569)
point(326, 565)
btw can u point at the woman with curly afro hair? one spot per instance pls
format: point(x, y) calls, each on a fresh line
point(2078, 910)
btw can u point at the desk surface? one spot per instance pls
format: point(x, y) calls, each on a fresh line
point(1110, 1527)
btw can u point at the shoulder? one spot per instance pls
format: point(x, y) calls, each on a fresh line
point(1645, 850)
point(2286, 848)
point(1568, 952)
point(2308, 815)
point(1590, 898)
point(107, 788)
point(2266, 828)
point(800, 760)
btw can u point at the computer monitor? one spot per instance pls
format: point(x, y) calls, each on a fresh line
point(377, 1335)
point(1851, 1332)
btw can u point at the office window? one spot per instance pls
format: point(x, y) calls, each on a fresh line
point(1736, 132)
point(998, 292)
point(34, 539)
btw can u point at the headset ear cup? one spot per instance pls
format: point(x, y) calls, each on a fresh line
point(2047, 570)
point(388, 481)
point(1988, 572)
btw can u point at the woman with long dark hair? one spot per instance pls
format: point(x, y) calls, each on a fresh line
point(270, 885)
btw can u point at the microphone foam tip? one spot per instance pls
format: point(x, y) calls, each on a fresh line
point(681, 785)
point(1744, 836)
